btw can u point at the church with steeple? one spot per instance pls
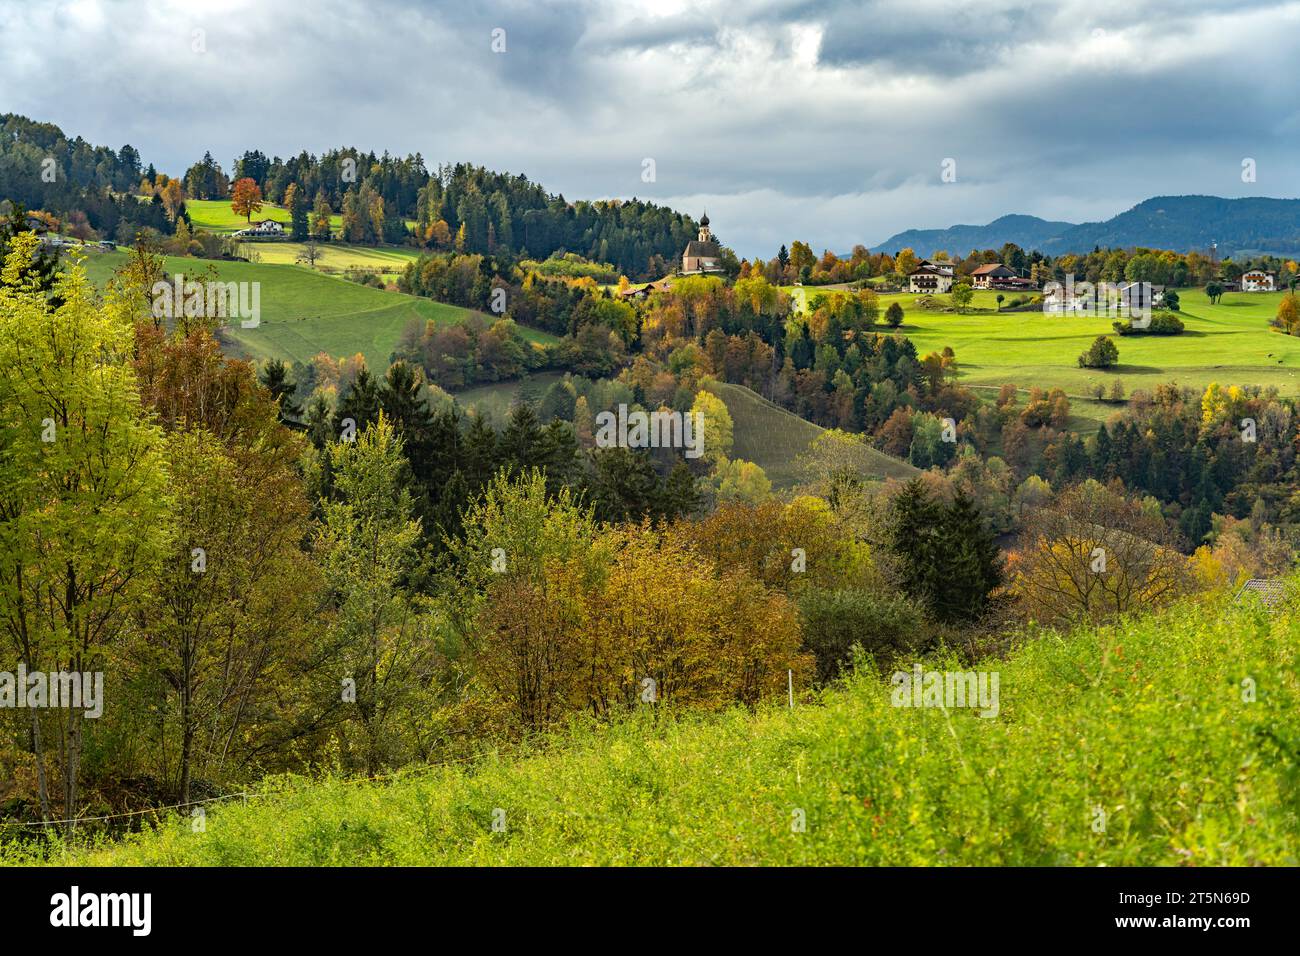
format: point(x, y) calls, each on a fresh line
point(702, 254)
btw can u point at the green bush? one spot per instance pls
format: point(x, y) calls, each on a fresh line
point(1103, 353)
point(1162, 323)
point(884, 625)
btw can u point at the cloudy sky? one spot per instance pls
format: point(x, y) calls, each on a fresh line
point(825, 120)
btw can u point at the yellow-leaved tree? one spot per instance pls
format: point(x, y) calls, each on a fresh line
point(83, 493)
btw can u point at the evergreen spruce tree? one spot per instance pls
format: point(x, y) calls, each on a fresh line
point(361, 404)
point(275, 378)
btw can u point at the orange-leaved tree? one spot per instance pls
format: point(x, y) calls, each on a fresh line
point(246, 198)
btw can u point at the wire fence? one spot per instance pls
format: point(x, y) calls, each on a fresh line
point(420, 771)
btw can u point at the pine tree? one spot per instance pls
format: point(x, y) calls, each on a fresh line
point(625, 486)
point(971, 564)
point(296, 202)
point(360, 404)
point(38, 268)
point(275, 378)
point(914, 521)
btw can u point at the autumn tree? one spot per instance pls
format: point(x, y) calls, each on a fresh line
point(246, 198)
point(320, 216)
point(40, 265)
point(718, 428)
point(82, 494)
point(1288, 315)
point(905, 262)
point(367, 545)
point(1092, 554)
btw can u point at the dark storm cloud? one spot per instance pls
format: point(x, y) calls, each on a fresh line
point(820, 119)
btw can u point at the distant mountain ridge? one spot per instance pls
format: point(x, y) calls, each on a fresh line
point(1028, 232)
point(1241, 227)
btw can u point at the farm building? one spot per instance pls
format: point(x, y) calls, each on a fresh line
point(1141, 295)
point(987, 276)
point(931, 276)
point(642, 292)
point(267, 228)
point(1270, 591)
point(1257, 280)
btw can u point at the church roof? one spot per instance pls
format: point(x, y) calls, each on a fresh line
point(705, 220)
point(708, 250)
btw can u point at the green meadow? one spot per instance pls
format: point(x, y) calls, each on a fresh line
point(215, 215)
point(306, 312)
point(388, 261)
point(1229, 343)
point(1125, 745)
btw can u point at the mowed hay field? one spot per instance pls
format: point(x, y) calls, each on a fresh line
point(305, 312)
point(216, 216)
point(386, 261)
point(1229, 343)
point(1143, 720)
point(774, 438)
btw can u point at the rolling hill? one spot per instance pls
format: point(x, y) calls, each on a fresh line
point(774, 438)
point(306, 312)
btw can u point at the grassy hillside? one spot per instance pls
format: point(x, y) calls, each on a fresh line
point(215, 215)
point(1144, 723)
point(306, 312)
point(494, 401)
point(764, 433)
point(335, 257)
point(773, 438)
point(1230, 342)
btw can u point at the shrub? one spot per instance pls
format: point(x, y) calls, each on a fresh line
point(363, 278)
point(885, 625)
point(1162, 323)
point(1103, 353)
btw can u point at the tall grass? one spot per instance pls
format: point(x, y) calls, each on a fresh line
point(1144, 722)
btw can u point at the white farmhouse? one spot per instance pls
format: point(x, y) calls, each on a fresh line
point(1257, 280)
